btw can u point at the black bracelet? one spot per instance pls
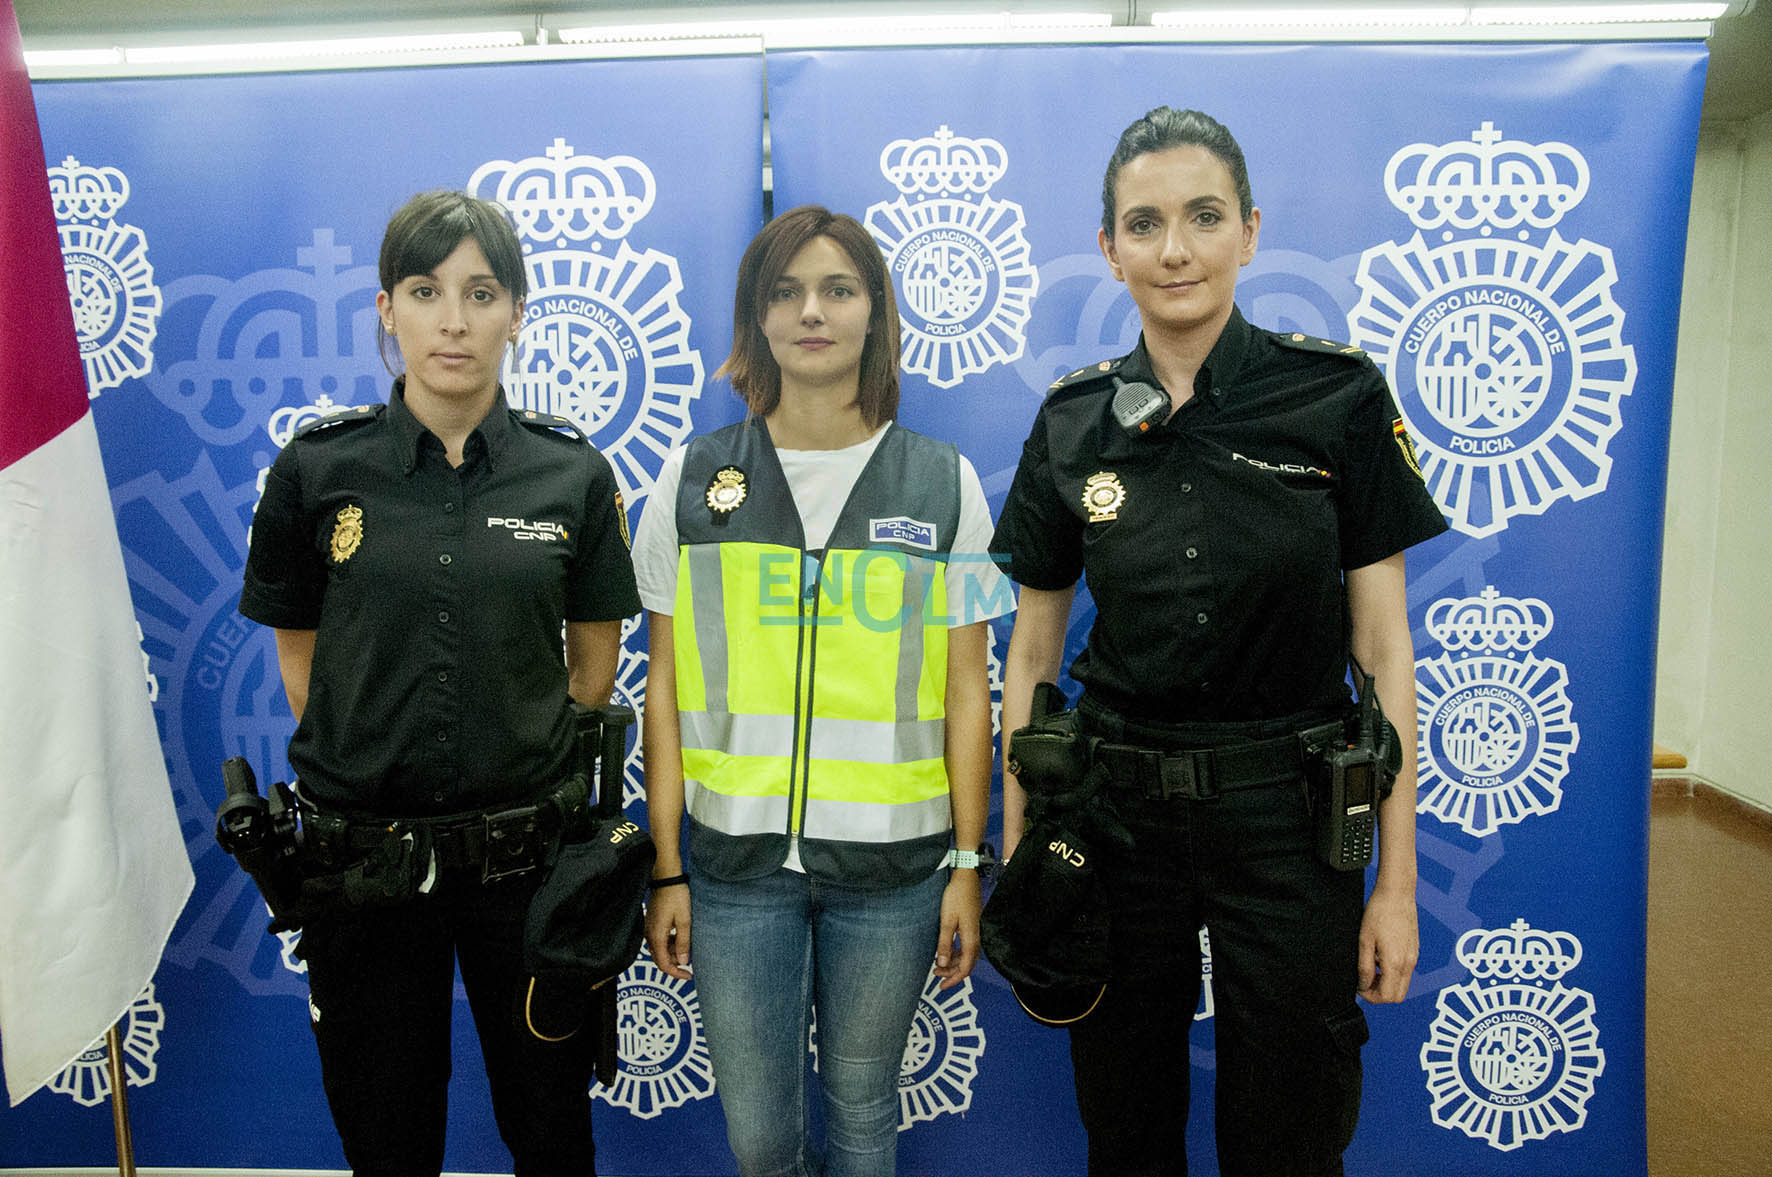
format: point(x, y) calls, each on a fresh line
point(673, 881)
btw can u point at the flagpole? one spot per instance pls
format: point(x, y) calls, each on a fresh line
point(120, 1102)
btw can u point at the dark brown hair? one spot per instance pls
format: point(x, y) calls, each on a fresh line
point(752, 369)
point(1166, 127)
point(427, 228)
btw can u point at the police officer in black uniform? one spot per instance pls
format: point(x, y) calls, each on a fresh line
point(418, 561)
point(1241, 521)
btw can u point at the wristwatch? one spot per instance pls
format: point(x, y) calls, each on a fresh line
point(963, 859)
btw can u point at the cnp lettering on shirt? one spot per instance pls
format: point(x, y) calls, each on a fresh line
point(524, 529)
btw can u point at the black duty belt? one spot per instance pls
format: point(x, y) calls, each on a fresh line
point(1200, 774)
point(499, 842)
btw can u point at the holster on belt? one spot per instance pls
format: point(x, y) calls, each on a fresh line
point(1050, 756)
point(1045, 926)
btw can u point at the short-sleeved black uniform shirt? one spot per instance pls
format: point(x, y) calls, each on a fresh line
point(1214, 544)
point(439, 681)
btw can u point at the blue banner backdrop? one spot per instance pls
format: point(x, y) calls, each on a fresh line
point(1496, 225)
point(1490, 239)
point(220, 235)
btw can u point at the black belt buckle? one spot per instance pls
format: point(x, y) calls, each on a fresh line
point(514, 842)
point(1188, 774)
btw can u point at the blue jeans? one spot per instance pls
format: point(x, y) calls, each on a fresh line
point(766, 951)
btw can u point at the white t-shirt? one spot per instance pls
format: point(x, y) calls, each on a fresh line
point(820, 481)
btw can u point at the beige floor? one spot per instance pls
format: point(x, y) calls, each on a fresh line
point(1709, 1048)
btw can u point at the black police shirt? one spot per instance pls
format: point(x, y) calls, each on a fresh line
point(1214, 544)
point(439, 681)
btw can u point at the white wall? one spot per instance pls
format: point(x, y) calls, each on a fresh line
point(1713, 692)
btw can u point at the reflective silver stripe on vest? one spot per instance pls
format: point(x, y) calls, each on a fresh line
point(739, 735)
point(877, 743)
point(832, 739)
point(736, 815)
point(910, 644)
point(707, 593)
point(855, 821)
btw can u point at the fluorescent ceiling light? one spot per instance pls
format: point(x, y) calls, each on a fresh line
point(853, 30)
point(1324, 17)
point(1604, 14)
point(61, 58)
point(1061, 20)
point(685, 30)
point(1328, 16)
point(334, 47)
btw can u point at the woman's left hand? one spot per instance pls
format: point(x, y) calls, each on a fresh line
point(960, 905)
point(1390, 943)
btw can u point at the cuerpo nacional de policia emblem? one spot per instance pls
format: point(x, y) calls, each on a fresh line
point(1503, 341)
point(940, 1056)
point(1496, 732)
point(664, 1058)
point(87, 1080)
point(1103, 495)
point(1513, 1054)
point(965, 282)
point(110, 283)
point(347, 533)
point(726, 492)
point(605, 339)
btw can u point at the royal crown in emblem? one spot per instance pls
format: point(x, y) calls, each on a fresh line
point(563, 198)
point(944, 162)
point(1518, 952)
point(1489, 181)
point(1489, 621)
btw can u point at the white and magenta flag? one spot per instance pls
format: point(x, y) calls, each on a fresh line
point(93, 868)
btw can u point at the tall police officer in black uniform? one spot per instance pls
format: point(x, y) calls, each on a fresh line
point(1237, 548)
point(417, 561)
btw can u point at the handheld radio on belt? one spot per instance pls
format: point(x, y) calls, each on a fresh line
point(1352, 780)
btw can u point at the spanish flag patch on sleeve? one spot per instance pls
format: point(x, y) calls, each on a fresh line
point(1407, 446)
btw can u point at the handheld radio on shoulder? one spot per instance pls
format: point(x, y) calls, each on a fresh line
point(1139, 407)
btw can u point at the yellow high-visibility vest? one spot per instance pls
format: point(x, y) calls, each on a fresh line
point(811, 685)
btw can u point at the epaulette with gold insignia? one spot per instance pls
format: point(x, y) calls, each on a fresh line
point(550, 424)
point(1300, 342)
point(351, 416)
point(1084, 376)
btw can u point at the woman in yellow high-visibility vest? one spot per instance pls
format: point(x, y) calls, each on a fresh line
point(818, 703)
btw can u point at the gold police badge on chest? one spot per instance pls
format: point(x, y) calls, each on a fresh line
point(727, 491)
point(1103, 495)
point(347, 534)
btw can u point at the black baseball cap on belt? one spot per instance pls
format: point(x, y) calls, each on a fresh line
point(1045, 928)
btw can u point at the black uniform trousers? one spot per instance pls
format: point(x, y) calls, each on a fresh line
point(382, 991)
point(1284, 932)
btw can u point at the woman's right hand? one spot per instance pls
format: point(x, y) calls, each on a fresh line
point(667, 929)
